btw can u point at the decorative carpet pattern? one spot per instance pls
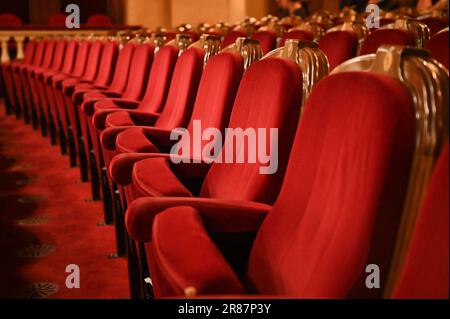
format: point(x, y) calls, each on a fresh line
point(47, 223)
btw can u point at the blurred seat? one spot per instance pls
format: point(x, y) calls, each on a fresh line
point(339, 46)
point(438, 46)
point(57, 20)
point(381, 37)
point(98, 20)
point(9, 20)
point(267, 40)
point(435, 24)
point(297, 35)
point(425, 268)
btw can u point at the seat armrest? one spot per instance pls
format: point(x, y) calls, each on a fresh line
point(100, 115)
point(218, 215)
point(109, 135)
point(121, 167)
point(138, 117)
point(183, 251)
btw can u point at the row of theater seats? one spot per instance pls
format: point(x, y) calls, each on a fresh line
point(224, 228)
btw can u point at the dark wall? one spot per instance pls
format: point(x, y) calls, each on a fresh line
point(38, 11)
point(18, 7)
point(87, 7)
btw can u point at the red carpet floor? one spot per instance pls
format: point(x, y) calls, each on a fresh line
point(47, 223)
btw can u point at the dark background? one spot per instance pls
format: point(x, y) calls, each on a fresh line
point(39, 11)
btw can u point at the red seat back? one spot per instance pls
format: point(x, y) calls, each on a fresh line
point(93, 61)
point(435, 24)
point(30, 50)
point(296, 35)
point(119, 81)
point(81, 59)
point(438, 46)
point(39, 52)
point(339, 46)
point(267, 40)
point(425, 269)
point(262, 102)
point(141, 62)
point(48, 54)
point(347, 177)
point(107, 63)
point(216, 93)
point(69, 56)
point(58, 19)
point(183, 89)
point(9, 20)
point(159, 80)
point(98, 20)
point(231, 37)
point(59, 55)
point(386, 36)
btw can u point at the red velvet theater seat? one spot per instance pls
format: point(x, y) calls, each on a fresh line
point(98, 20)
point(316, 241)
point(138, 73)
point(13, 89)
point(339, 46)
point(31, 92)
point(137, 78)
point(58, 19)
point(386, 36)
point(56, 80)
point(93, 92)
point(435, 24)
point(438, 46)
point(21, 81)
point(425, 269)
point(175, 113)
point(151, 104)
point(71, 88)
point(9, 20)
point(296, 35)
point(213, 104)
point(231, 37)
point(42, 105)
point(257, 105)
point(267, 40)
point(67, 67)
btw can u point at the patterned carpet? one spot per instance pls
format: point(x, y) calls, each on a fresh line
point(47, 222)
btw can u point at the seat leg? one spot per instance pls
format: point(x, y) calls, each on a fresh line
point(8, 105)
point(119, 222)
point(107, 198)
point(44, 128)
point(34, 119)
point(95, 179)
point(62, 138)
point(72, 148)
point(26, 111)
point(83, 162)
point(52, 131)
point(146, 288)
point(134, 275)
